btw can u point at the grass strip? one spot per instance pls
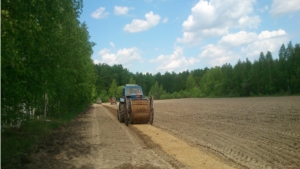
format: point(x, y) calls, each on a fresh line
point(17, 143)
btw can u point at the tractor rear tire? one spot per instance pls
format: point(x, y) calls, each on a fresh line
point(121, 117)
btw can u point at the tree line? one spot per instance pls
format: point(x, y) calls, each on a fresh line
point(46, 65)
point(264, 77)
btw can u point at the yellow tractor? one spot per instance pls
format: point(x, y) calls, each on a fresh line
point(134, 107)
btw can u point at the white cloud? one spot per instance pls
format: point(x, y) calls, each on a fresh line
point(123, 56)
point(247, 45)
point(266, 41)
point(280, 7)
point(253, 50)
point(175, 61)
point(100, 13)
point(249, 22)
point(96, 61)
point(217, 55)
point(138, 25)
point(121, 10)
point(238, 39)
point(112, 44)
point(266, 7)
point(216, 17)
point(103, 51)
point(268, 34)
point(165, 20)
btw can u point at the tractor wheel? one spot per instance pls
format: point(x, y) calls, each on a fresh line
point(121, 113)
point(130, 121)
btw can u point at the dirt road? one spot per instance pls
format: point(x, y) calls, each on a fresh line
point(176, 149)
point(187, 133)
point(95, 139)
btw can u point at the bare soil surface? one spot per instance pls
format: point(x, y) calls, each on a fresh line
point(94, 139)
point(174, 149)
point(261, 132)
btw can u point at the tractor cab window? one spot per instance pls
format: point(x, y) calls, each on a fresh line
point(128, 91)
point(133, 91)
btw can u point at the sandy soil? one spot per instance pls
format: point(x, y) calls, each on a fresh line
point(176, 151)
point(190, 156)
point(187, 133)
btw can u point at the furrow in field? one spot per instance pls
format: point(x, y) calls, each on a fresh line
point(243, 138)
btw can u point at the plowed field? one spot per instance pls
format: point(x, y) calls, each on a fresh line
point(259, 132)
point(252, 132)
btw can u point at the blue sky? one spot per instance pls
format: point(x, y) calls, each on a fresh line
point(167, 35)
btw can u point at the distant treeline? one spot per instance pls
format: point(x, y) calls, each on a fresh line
point(265, 76)
point(46, 66)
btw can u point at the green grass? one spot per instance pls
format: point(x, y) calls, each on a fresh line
point(18, 142)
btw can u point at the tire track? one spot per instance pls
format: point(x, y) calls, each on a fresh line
point(95, 128)
point(119, 147)
point(177, 148)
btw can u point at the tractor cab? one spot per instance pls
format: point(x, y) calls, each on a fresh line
point(132, 91)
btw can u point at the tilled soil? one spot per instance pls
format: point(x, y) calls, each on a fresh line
point(259, 132)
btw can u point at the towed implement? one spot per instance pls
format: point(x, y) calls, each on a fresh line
point(113, 100)
point(134, 107)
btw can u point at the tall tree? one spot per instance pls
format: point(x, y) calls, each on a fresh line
point(113, 90)
point(131, 80)
point(211, 83)
point(156, 91)
point(269, 73)
point(45, 57)
point(227, 83)
point(190, 83)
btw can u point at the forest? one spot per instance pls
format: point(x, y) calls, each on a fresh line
point(46, 66)
point(266, 76)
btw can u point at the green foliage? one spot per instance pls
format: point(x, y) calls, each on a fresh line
point(113, 90)
point(45, 58)
point(103, 96)
point(46, 69)
point(190, 83)
point(211, 83)
point(105, 75)
point(156, 91)
point(176, 95)
point(166, 96)
point(195, 93)
point(119, 92)
point(131, 80)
